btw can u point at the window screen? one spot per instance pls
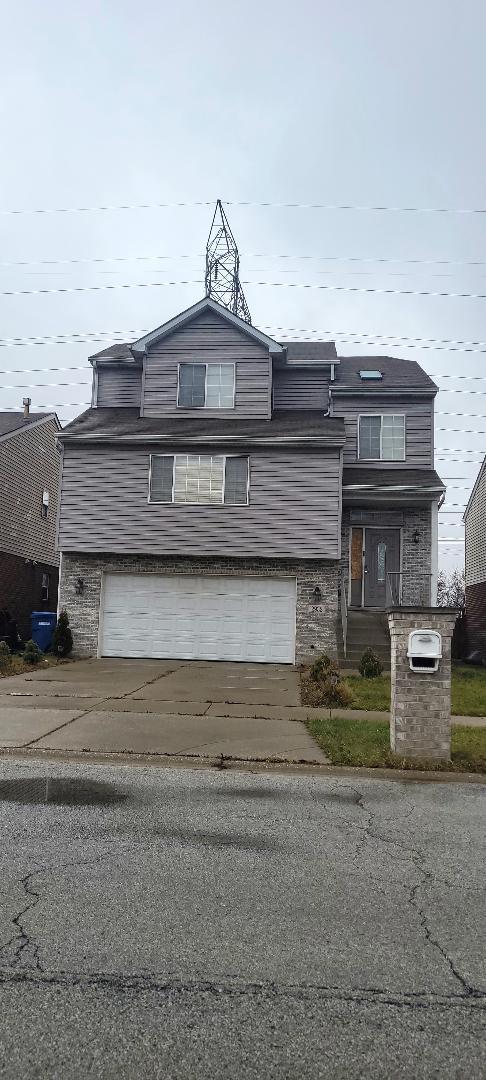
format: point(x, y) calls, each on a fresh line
point(370, 437)
point(161, 478)
point(192, 386)
point(236, 480)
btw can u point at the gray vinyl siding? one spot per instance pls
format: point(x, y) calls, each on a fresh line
point(301, 388)
point(476, 533)
point(29, 463)
point(419, 433)
point(208, 338)
point(294, 507)
point(119, 385)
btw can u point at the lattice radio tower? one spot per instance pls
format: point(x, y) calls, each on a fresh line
point(223, 266)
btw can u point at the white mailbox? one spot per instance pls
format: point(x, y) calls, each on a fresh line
point(424, 650)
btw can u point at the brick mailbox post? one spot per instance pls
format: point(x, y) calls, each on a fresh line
point(420, 721)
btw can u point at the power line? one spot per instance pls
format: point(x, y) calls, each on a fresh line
point(366, 209)
point(98, 209)
point(265, 284)
point(229, 202)
point(383, 340)
point(368, 260)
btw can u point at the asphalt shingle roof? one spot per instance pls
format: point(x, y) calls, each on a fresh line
point(397, 374)
point(293, 424)
point(15, 421)
point(383, 477)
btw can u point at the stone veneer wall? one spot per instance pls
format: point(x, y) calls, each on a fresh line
point(316, 624)
point(420, 722)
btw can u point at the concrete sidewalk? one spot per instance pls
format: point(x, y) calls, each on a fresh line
point(248, 711)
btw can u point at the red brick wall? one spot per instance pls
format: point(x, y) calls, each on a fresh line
point(20, 589)
point(476, 617)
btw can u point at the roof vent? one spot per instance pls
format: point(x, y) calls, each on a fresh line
point(26, 403)
point(369, 374)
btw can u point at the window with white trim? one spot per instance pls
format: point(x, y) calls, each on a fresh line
point(45, 504)
point(208, 479)
point(206, 386)
point(382, 437)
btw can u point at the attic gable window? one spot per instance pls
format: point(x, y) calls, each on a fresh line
point(206, 386)
point(196, 479)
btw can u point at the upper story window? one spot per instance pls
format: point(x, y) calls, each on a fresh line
point(382, 438)
point(206, 386)
point(211, 479)
point(45, 504)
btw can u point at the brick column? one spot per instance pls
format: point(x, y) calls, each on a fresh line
point(420, 721)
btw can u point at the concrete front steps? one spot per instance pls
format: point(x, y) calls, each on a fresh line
point(367, 629)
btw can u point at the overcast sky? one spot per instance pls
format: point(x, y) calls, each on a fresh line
point(369, 104)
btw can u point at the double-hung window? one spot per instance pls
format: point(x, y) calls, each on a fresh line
point(382, 437)
point(206, 386)
point(211, 479)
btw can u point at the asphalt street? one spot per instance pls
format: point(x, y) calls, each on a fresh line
point(212, 924)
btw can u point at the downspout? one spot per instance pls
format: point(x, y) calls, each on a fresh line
point(434, 548)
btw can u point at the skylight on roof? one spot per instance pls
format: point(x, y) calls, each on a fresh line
point(368, 374)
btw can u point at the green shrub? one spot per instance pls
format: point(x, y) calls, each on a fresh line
point(370, 665)
point(62, 639)
point(5, 656)
point(32, 653)
point(320, 668)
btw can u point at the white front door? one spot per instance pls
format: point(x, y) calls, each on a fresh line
point(183, 616)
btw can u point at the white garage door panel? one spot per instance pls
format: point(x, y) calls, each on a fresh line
point(199, 618)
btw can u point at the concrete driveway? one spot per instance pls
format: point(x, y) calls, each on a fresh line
point(201, 708)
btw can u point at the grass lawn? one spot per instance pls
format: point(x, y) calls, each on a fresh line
point(17, 665)
point(363, 743)
point(468, 691)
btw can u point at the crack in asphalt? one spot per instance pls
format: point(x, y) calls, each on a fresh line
point(234, 988)
point(22, 937)
point(418, 858)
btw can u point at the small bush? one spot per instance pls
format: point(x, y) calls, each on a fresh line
point(370, 665)
point(5, 656)
point(32, 653)
point(320, 668)
point(62, 639)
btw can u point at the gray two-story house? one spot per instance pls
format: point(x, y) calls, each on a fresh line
point(227, 496)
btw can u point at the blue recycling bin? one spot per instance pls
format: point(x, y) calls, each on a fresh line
point(43, 624)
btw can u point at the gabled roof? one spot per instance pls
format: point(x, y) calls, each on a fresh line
point(126, 424)
point(143, 343)
point(397, 374)
point(13, 422)
point(473, 492)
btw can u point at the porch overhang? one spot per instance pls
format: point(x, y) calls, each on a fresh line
point(391, 487)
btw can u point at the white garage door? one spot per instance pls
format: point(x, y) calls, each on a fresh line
point(198, 618)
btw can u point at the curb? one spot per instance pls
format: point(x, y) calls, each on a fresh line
point(180, 761)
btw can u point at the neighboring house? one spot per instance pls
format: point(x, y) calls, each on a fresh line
point(475, 522)
point(227, 493)
point(29, 485)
